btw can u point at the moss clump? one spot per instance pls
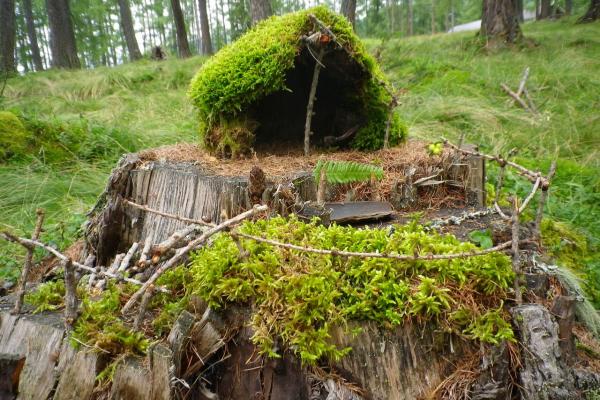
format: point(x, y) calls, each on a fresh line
point(298, 297)
point(230, 84)
point(48, 296)
point(13, 136)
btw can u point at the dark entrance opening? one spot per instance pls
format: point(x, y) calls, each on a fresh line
point(281, 116)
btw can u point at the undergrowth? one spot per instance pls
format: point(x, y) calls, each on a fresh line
point(298, 297)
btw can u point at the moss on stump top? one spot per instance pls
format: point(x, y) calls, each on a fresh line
point(254, 92)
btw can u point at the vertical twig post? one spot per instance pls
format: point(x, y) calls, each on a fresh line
point(71, 301)
point(28, 261)
point(322, 185)
point(143, 306)
point(542, 201)
point(516, 257)
point(311, 101)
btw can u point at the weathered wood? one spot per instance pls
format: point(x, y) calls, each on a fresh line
point(39, 338)
point(78, 378)
point(132, 381)
point(161, 366)
point(404, 363)
point(11, 366)
point(178, 338)
point(543, 374)
point(563, 309)
point(359, 211)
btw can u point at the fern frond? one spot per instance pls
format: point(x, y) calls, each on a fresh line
point(346, 171)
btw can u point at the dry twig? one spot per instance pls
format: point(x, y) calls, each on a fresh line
point(182, 252)
point(71, 301)
point(28, 261)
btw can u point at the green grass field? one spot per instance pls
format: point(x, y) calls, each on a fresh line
point(84, 120)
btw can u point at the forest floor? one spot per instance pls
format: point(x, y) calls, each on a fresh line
point(449, 86)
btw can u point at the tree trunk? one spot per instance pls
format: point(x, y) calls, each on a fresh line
point(32, 35)
point(7, 35)
point(499, 22)
point(182, 41)
point(568, 7)
point(129, 31)
point(348, 10)
point(205, 28)
point(519, 10)
point(593, 13)
point(260, 9)
point(545, 9)
point(62, 37)
point(409, 18)
point(432, 17)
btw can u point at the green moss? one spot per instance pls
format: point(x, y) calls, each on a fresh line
point(298, 297)
point(48, 296)
point(564, 243)
point(254, 66)
point(13, 136)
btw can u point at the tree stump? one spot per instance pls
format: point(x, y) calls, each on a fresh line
point(11, 366)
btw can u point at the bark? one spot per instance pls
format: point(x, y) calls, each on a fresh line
point(129, 31)
point(545, 9)
point(62, 36)
point(205, 28)
point(259, 10)
point(593, 13)
point(519, 10)
point(348, 10)
point(409, 18)
point(569, 7)
point(182, 41)
point(499, 22)
point(7, 35)
point(32, 35)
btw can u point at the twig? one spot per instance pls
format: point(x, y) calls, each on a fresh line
point(127, 259)
point(30, 243)
point(143, 306)
point(111, 270)
point(28, 261)
point(401, 257)
point(322, 187)
point(145, 252)
point(516, 257)
point(172, 240)
point(542, 201)
point(517, 98)
point(530, 100)
point(530, 196)
point(530, 175)
point(311, 101)
point(523, 81)
point(180, 253)
point(71, 301)
point(167, 215)
point(388, 123)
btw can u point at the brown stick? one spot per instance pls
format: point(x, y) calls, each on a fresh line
point(311, 101)
point(530, 101)
point(28, 261)
point(172, 240)
point(523, 81)
point(516, 257)
point(542, 202)
point(30, 243)
point(402, 257)
point(534, 190)
point(143, 307)
point(322, 187)
point(127, 259)
point(517, 98)
point(167, 215)
point(388, 124)
point(71, 301)
point(530, 175)
point(180, 253)
point(145, 252)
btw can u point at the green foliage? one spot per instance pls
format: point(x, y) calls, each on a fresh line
point(99, 325)
point(170, 305)
point(298, 297)
point(346, 171)
point(13, 136)
point(435, 149)
point(482, 238)
point(48, 297)
point(256, 65)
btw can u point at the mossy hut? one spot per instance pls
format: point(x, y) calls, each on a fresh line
point(253, 94)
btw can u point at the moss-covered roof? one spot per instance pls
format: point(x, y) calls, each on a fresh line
point(257, 65)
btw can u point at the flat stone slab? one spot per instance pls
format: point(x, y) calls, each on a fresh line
point(359, 211)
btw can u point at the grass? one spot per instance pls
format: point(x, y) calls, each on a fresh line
point(449, 85)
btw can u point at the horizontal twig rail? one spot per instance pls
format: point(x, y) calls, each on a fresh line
point(342, 253)
point(30, 243)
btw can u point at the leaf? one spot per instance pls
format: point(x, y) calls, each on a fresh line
point(482, 238)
